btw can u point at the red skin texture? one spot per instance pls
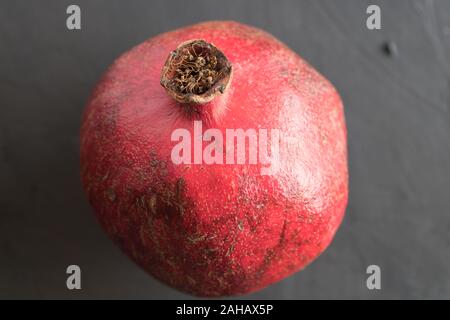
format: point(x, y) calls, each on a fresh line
point(215, 230)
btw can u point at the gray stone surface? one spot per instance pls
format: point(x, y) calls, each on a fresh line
point(398, 115)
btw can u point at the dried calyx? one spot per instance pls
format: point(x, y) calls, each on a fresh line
point(196, 72)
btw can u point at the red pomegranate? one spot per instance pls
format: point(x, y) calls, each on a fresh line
point(216, 223)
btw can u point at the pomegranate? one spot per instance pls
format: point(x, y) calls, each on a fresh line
point(212, 222)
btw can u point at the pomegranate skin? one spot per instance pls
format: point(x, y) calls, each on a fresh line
point(220, 229)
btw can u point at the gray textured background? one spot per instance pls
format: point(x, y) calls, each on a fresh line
point(398, 116)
